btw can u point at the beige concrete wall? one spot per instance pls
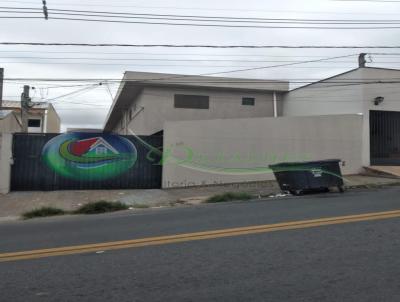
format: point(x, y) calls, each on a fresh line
point(9, 124)
point(240, 150)
point(332, 96)
point(154, 106)
point(53, 121)
point(329, 97)
point(391, 93)
point(5, 162)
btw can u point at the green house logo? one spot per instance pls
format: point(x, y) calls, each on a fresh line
point(88, 157)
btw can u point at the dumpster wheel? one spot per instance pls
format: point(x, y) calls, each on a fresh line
point(296, 192)
point(341, 189)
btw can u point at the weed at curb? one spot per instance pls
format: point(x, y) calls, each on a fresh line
point(98, 207)
point(43, 212)
point(101, 207)
point(229, 196)
point(140, 206)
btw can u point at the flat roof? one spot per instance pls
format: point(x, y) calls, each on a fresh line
point(17, 105)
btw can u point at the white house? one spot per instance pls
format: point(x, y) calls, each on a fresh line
point(371, 92)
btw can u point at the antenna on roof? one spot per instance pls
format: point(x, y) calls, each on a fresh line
point(25, 105)
point(46, 14)
point(362, 60)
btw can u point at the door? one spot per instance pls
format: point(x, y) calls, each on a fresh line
point(385, 138)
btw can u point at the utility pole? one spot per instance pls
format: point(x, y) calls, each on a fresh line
point(361, 60)
point(25, 105)
point(1, 86)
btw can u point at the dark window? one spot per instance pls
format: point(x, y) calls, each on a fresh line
point(248, 101)
point(34, 123)
point(192, 101)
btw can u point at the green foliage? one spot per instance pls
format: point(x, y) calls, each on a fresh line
point(101, 207)
point(229, 196)
point(43, 212)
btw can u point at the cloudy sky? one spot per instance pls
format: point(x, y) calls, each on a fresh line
point(87, 106)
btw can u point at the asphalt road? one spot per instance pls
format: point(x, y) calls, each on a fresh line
point(356, 261)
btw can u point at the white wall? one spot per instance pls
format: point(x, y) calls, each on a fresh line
point(9, 124)
point(156, 105)
point(391, 93)
point(327, 97)
point(5, 161)
point(240, 150)
point(330, 97)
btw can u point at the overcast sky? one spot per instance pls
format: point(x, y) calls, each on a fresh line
point(89, 108)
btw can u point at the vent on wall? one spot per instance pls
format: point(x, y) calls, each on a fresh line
point(248, 101)
point(191, 101)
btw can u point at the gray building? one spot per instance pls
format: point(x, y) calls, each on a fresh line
point(42, 117)
point(9, 122)
point(371, 92)
point(145, 101)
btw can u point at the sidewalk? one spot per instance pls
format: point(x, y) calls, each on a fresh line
point(16, 203)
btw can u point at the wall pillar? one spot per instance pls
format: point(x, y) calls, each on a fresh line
point(5, 162)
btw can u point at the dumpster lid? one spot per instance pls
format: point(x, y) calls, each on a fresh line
point(315, 162)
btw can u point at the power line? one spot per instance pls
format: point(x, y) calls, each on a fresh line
point(205, 18)
point(192, 19)
point(81, 90)
point(223, 25)
point(205, 45)
point(257, 19)
point(169, 60)
point(180, 54)
point(385, 55)
point(108, 5)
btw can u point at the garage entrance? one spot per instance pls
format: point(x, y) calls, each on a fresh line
point(385, 138)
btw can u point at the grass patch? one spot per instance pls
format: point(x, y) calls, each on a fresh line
point(101, 207)
point(229, 196)
point(43, 212)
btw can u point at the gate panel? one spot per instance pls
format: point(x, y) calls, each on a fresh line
point(385, 137)
point(84, 161)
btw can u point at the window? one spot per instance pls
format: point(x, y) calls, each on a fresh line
point(34, 123)
point(101, 151)
point(248, 101)
point(192, 101)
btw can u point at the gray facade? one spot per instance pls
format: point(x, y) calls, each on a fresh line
point(142, 107)
point(211, 152)
point(354, 92)
point(42, 117)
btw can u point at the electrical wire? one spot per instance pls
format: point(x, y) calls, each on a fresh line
point(203, 18)
point(224, 25)
point(176, 60)
point(205, 45)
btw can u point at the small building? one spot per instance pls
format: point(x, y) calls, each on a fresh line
point(145, 101)
point(373, 93)
point(42, 117)
point(9, 122)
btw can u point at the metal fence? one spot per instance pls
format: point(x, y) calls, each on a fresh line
point(82, 161)
point(385, 137)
